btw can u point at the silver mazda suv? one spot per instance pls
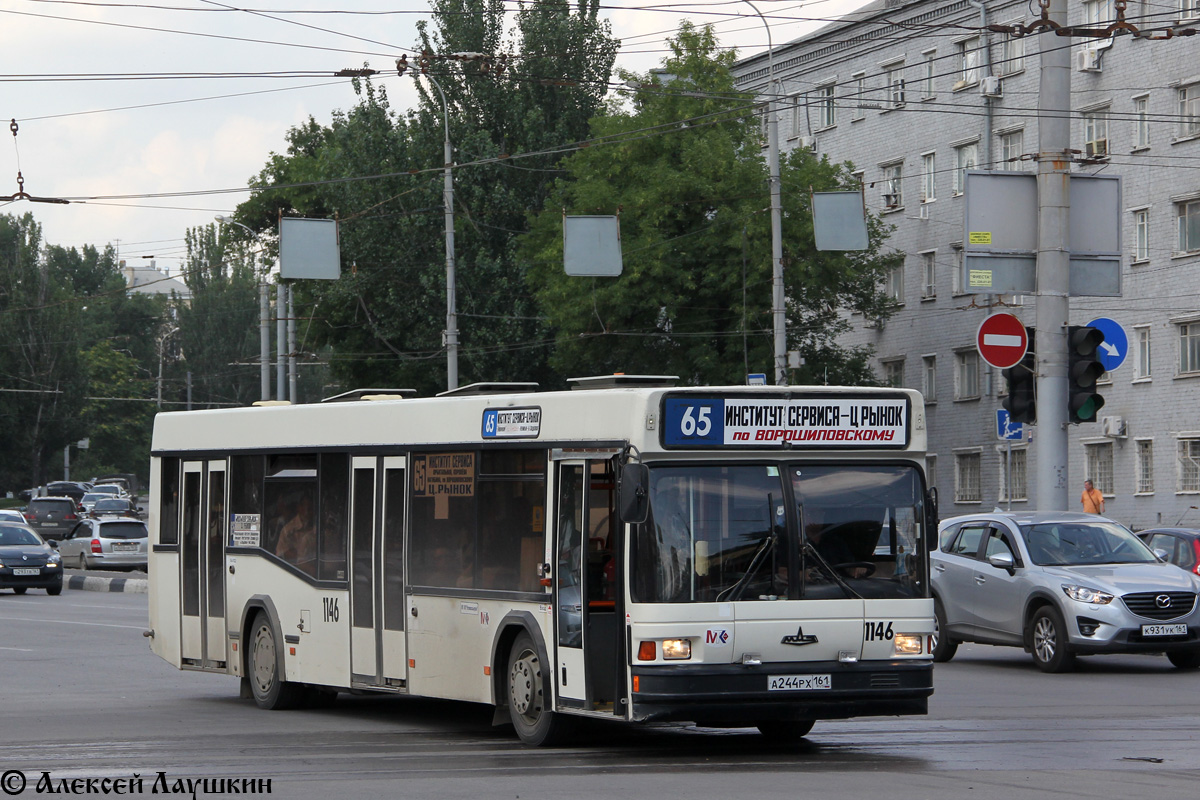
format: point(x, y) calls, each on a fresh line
point(1060, 584)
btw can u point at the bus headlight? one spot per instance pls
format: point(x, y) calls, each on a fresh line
point(676, 649)
point(907, 644)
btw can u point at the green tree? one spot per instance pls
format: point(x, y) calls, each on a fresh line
point(684, 170)
point(217, 329)
point(385, 317)
point(40, 367)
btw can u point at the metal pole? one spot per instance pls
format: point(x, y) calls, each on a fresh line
point(778, 311)
point(291, 341)
point(264, 314)
point(264, 338)
point(67, 463)
point(448, 203)
point(1053, 265)
point(280, 339)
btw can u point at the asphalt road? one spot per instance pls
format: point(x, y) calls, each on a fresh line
point(81, 696)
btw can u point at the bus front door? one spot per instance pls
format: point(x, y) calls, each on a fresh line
point(587, 633)
point(202, 564)
point(377, 647)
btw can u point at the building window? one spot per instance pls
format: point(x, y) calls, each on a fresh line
point(1095, 133)
point(969, 71)
point(966, 478)
point(1099, 13)
point(929, 271)
point(1189, 10)
point(929, 378)
point(895, 82)
point(930, 71)
point(1013, 475)
point(1189, 110)
point(827, 106)
point(1100, 466)
point(893, 373)
point(1141, 353)
point(893, 190)
point(860, 95)
point(1189, 226)
point(966, 377)
point(797, 115)
point(1012, 55)
point(1012, 146)
point(928, 177)
point(931, 470)
point(895, 284)
point(965, 158)
point(1145, 466)
point(1141, 237)
point(1189, 465)
point(1189, 347)
point(1141, 122)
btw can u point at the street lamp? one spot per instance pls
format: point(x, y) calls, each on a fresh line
point(778, 312)
point(448, 202)
point(264, 316)
point(162, 340)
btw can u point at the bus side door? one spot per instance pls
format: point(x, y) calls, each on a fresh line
point(377, 647)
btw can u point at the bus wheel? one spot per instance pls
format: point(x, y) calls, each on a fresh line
point(780, 731)
point(529, 694)
point(269, 691)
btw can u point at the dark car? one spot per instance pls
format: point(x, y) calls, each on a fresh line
point(70, 489)
point(113, 507)
point(27, 562)
point(1182, 546)
point(52, 517)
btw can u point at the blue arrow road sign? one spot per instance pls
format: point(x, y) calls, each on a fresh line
point(1006, 428)
point(1115, 347)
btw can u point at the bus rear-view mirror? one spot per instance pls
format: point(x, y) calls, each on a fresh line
point(635, 494)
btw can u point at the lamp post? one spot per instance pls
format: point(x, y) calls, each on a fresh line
point(264, 317)
point(448, 202)
point(162, 341)
point(778, 310)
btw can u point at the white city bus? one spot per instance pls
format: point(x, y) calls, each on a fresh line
point(731, 556)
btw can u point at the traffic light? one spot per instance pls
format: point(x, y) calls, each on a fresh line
point(1083, 369)
point(1021, 403)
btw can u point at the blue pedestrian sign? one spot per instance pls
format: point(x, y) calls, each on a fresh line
point(1006, 429)
point(1115, 347)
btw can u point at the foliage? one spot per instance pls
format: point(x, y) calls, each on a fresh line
point(684, 170)
point(385, 317)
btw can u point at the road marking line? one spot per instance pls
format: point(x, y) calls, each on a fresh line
point(18, 649)
point(73, 622)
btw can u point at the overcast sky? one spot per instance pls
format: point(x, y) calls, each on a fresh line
point(110, 137)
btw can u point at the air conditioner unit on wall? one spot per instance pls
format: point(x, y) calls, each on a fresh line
point(1113, 427)
point(1097, 148)
point(990, 86)
point(1087, 60)
point(807, 143)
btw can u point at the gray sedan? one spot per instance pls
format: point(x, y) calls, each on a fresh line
point(1060, 584)
point(110, 543)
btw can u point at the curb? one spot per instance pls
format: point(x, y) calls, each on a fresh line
point(89, 583)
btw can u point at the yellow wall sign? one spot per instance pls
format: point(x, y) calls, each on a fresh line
point(981, 277)
point(979, 237)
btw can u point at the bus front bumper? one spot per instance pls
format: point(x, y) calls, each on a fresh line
point(727, 694)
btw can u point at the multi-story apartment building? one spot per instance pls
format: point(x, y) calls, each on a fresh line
point(916, 93)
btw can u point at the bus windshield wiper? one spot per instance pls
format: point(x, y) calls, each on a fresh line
point(765, 546)
point(828, 569)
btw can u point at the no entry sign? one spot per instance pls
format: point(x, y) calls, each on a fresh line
point(1002, 340)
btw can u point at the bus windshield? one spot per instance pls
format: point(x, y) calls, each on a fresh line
point(777, 532)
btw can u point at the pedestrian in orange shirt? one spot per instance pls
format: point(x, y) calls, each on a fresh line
point(1093, 501)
